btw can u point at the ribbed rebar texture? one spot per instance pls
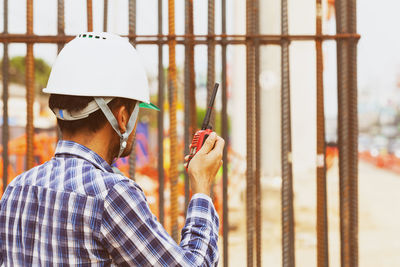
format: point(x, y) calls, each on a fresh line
point(89, 15)
point(5, 127)
point(322, 216)
point(211, 55)
point(60, 22)
point(353, 113)
point(173, 97)
point(132, 21)
point(224, 133)
point(160, 120)
point(211, 64)
point(132, 31)
point(347, 132)
point(105, 15)
point(190, 100)
point(250, 128)
point(258, 232)
point(30, 90)
point(288, 253)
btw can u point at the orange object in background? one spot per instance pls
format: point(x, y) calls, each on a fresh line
point(44, 146)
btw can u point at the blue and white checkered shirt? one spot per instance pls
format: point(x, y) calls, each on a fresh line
point(74, 210)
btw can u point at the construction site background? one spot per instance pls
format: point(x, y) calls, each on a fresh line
point(379, 120)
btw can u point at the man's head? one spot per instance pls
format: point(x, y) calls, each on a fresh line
point(98, 82)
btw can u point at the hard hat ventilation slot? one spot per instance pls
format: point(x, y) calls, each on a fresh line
point(91, 36)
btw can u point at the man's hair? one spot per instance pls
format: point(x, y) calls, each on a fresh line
point(95, 121)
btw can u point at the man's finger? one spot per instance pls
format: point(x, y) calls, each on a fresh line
point(219, 147)
point(208, 144)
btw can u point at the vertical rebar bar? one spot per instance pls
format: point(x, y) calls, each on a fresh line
point(250, 128)
point(322, 216)
point(160, 118)
point(288, 253)
point(5, 126)
point(30, 90)
point(224, 133)
point(105, 16)
point(89, 15)
point(190, 100)
point(344, 139)
point(211, 62)
point(60, 22)
point(173, 97)
point(132, 31)
point(353, 128)
point(211, 55)
point(258, 232)
point(132, 20)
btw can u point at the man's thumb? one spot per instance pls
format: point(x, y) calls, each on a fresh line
point(209, 143)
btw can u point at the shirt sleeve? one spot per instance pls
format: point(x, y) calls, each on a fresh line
point(133, 236)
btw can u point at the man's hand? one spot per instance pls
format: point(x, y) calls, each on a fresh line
point(205, 164)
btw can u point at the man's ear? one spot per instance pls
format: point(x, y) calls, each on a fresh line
point(122, 117)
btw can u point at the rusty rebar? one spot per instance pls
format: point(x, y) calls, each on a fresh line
point(322, 216)
point(132, 22)
point(89, 15)
point(225, 136)
point(190, 98)
point(160, 120)
point(258, 232)
point(132, 31)
point(5, 127)
point(105, 15)
point(288, 253)
point(353, 127)
point(347, 132)
point(30, 90)
point(250, 129)
point(173, 97)
point(60, 22)
point(229, 39)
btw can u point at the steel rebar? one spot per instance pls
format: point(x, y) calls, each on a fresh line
point(89, 15)
point(132, 31)
point(5, 126)
point(250, 129)
point(160, 120)
point(60, 22)
point(258, 232)
point(105, 15)
point(229, 39)
point(225, 136)
point(353, 127)
point(322, 216)
point(190, 100)
point(173, 97)
point(288, 253)
point(30, 90)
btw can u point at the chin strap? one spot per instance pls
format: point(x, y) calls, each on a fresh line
point(113, 121)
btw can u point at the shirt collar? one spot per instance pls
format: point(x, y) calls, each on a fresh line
point(72, 148)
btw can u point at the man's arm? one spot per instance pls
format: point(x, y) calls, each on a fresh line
point(132, 235)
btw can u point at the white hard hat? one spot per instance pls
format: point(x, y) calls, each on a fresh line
point(104, 66)
point(99, 64)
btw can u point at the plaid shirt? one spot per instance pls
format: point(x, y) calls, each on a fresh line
point(74, 210)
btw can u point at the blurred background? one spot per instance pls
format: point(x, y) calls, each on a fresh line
point(378, 114)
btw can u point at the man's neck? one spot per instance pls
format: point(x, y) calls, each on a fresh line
point(95, 142)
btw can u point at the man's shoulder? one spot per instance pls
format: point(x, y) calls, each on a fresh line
point(81, 178)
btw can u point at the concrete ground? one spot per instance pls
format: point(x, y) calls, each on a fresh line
point(379, 220)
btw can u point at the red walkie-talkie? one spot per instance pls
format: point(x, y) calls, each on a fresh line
point(206, 129)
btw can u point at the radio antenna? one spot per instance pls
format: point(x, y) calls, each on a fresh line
point(206, 120)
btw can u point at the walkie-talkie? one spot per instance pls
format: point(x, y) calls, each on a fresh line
point(206, 129)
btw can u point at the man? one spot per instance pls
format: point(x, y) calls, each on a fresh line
point(75, 209)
